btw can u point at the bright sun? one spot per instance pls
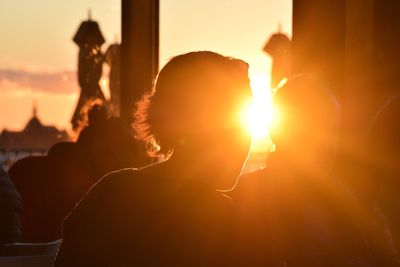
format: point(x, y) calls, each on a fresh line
point(258, 114)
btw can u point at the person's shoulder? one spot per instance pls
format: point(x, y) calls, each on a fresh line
point(115, 187)
point(116, 179)
point(131, 179)
point(103, 198)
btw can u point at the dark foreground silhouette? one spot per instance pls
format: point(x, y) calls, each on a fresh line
point(382, 169)
point(10, 209)
point(51, 185)
point(169, 214)
point(295, 212)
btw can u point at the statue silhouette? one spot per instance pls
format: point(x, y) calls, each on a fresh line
point(89, 39)
point(278, 47)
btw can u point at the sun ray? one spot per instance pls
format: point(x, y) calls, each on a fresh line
point(259, 113)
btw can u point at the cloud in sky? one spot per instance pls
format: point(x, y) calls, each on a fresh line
point(62, 82)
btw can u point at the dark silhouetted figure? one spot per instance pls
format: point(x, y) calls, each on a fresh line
point(170, 214)
point(51, 186)
point(382, 169)
point(10, 209)
point(89, 39)
point(278, 47)
point(107, 144)
point(294, 212)
point(113, 60)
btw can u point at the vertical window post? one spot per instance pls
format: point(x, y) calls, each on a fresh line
point(139, 50)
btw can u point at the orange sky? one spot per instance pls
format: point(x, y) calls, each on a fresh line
point(38, 59)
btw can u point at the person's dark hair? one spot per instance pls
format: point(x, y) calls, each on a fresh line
point(94, 110)
point(177, 108)
point(63, 150)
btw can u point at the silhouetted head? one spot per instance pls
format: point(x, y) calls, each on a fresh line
point(307, 121)
point(97, 114)
point(193, 110)
point(93, 112)
point(63, 150)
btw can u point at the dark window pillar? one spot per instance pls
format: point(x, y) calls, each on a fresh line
point(139, 50)
point(319, 40)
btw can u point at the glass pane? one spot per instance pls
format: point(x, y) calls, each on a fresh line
point(234, 28)
point(39, 85)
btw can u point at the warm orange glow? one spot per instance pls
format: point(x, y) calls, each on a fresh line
point(258, 114)
point(257, 117)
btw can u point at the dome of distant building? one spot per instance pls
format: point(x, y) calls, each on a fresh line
point(35, 137)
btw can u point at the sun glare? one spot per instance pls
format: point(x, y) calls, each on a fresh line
point(259, 113)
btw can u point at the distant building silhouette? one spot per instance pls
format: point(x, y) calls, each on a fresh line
point(89, 39)
point(278, 47)
point(35, 138)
